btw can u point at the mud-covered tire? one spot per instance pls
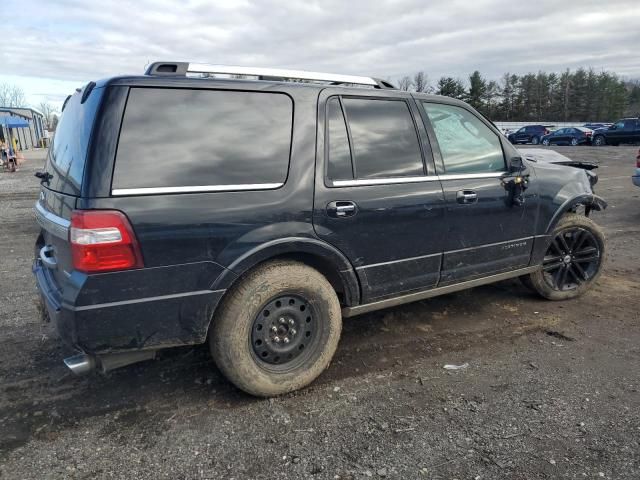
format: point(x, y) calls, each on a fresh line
point(568, 224)
point(234, 329)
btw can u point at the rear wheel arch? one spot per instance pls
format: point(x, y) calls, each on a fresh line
point(317, 254)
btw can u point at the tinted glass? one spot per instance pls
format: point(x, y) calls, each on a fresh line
point(385, 142)
point(338, 140)
point(68, 152)
point(619, 125)
point(629, 124)
point(180, 137)
point(467, 145)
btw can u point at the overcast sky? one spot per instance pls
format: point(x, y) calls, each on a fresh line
point(49, 47)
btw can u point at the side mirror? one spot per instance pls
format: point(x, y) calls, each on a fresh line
point(516, 164)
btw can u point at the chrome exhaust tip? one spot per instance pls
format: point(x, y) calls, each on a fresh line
point(80, 364)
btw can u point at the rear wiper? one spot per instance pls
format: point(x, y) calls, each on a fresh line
point(44, 177)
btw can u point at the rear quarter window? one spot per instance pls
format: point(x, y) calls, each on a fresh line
point(203, 138)
point(68, 152)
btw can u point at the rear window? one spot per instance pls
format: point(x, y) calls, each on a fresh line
point(68, 152)
point(203, 138)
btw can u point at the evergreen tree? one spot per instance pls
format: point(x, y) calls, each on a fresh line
point(477, 90)
point(451, 87)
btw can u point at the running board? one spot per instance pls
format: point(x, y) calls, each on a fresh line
point(434, 292)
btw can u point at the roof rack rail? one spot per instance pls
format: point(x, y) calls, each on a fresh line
point(182, 68)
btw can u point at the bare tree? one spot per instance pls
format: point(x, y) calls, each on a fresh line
point(48, 111)
point(12, 96)
point(405, 83)
point(421, 83)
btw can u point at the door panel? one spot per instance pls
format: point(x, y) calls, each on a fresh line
point(395, 240)
point(487, 232)
point(489, 236)
point(394, 234)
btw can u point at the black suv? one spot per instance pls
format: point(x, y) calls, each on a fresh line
point(626, 130)
point(256, 214)
point(529, 134)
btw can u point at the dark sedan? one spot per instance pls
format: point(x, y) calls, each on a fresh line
point(569, 136)
point(529, 134)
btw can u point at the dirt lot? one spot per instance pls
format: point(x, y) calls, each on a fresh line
point(551, 390)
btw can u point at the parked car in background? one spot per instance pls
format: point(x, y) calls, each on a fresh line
point(569, 136)
point(636, 177)
point(626, 130)
point(529, 134)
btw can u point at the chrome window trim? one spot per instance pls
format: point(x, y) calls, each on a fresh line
point(51, 222)
point(464, 176)
point(383, 181)
point(417, 179)
point(195, 189)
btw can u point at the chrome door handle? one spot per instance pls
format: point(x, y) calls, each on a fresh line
point(341, 209)
point(466, 196)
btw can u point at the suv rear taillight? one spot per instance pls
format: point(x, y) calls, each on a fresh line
point(638, 160)
point(546, 131)
point(103, 241)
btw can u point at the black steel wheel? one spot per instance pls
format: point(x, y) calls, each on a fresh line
point(277, 329)
point(284, 332)
point(573, 261)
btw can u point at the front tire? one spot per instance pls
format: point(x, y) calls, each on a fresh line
point(599, 141)
point(574, 260)
point(277, 330)
point(546, 142)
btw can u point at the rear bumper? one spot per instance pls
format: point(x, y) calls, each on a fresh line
point(131, 310)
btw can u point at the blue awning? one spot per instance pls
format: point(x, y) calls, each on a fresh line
point(13, 122)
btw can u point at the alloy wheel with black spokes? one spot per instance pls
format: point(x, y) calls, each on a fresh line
point(573, 260)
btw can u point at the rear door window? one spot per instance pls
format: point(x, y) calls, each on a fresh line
point(68, 152)
point(186, 140)
point(340, 165)
point(384, 138)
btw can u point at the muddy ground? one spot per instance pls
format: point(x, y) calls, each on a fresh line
point(551, 390)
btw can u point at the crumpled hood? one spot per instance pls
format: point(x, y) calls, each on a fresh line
point(543, 155)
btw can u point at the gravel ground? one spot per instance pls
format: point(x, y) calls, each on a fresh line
point(551, 390)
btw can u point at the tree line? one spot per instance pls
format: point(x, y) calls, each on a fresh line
point(571, 96)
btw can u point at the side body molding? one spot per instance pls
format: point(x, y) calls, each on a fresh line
point(324, 254)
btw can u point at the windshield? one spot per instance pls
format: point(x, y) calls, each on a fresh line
point(68, 151)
